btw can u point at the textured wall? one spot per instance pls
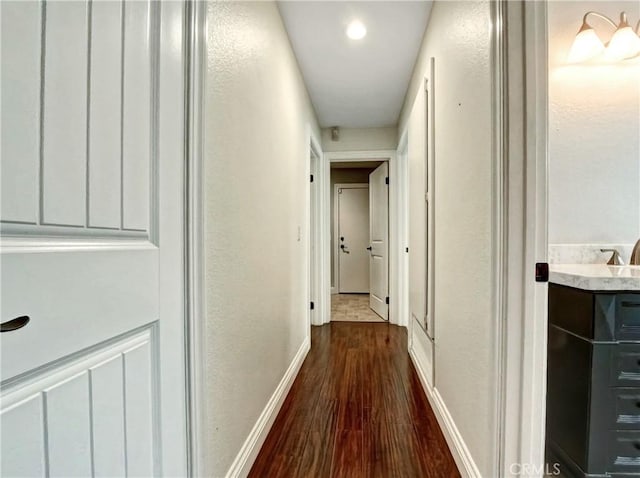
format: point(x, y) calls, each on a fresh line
point(359, 139)
point(594, 135)
point(458, 36)
point(256, 168)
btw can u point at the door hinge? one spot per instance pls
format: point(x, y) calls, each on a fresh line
point(387, 300)
point(312, 178)
point(542, 272)
point(386, 180)
point(312, 305)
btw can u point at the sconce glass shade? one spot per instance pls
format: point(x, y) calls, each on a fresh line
point(586, 45)
point(624, 44)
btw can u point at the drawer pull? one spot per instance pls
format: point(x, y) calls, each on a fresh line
point(638, 404)
point(636, 445)
point(631, 305)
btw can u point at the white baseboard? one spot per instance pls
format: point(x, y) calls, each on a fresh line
point(251, 447)
point(459, 450)
point(422, 348)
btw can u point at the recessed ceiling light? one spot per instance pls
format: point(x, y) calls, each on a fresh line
point(356, 30)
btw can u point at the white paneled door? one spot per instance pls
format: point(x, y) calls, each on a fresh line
point(379, 240)
point(92, 227)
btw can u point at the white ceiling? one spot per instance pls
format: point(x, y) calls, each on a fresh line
point(356, 83)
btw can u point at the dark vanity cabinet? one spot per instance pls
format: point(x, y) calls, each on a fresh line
point(593, 382)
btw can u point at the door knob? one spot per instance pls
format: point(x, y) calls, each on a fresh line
point(14, 324)
point(344, 249)
point(369, 248)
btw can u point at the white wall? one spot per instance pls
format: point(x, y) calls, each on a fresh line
point(361, 139)
point(458, 36)
point(256, 180)
point(594, 134)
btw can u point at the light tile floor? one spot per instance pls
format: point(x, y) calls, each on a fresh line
point(352, 308)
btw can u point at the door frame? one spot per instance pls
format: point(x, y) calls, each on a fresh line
point(195, 346)
point(336, 237)
point(522, 388)
point(402, 172)
point(397, 183)
point(314, 199)
point(534, 345)
point(520, 234)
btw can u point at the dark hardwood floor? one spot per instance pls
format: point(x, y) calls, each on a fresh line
point(356, 409)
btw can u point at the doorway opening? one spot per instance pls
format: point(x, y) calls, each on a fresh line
point(388, 249)
point(359, 218)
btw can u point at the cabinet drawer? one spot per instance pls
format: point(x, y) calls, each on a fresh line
point(626, 408)
point(628, 317)
point(599, 316)
point(624, 452)
point(624, 365)
point(573, 310)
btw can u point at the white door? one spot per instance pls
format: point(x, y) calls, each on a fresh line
point(379, 240)
point(353, 239)
point(92, 239)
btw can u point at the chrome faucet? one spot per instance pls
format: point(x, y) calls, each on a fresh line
point(635, 255)
point(616, 259)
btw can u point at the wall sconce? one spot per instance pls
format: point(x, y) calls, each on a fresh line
point(624, 44)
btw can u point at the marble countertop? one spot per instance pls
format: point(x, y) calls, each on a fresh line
point(596, 276)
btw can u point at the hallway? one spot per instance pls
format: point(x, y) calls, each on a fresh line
point(356, 409)
point(287, 238)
